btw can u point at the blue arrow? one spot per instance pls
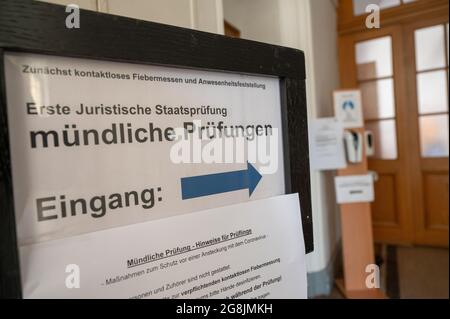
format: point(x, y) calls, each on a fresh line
point(204, 185)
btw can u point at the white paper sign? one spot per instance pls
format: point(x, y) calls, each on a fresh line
point(327, 144)
point(249, 250)
point(354, 188)
point(91, 149)
point(348, 108)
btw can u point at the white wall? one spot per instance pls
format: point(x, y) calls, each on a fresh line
point(204, 15)
point(256, 19)
point(83, 4)
point(316, 23)
point(208, 15)
point(326, 79)
point(174, 12)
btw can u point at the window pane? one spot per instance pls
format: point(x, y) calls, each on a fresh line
point(447, 43)
point(385, 138)
point(378, 99)
point(432, 92)
point(359, 6)
point(430, 50)
point(374, 58)
point(434, 135)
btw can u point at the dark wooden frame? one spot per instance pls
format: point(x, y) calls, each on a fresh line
point(36, 27)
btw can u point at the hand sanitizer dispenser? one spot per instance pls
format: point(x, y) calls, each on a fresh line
point(370, 145)
point(353, 146)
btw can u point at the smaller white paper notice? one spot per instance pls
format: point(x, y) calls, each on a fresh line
point(354, 189)
point(327, 144)
point(249, 250)
point(348, 108)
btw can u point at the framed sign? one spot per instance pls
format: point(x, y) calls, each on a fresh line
point(348, 108)
point(94, 122)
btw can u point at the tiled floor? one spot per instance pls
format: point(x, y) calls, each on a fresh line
point(422, 273)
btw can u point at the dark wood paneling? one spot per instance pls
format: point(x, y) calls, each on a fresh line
point(384, 208)
point(435, 188)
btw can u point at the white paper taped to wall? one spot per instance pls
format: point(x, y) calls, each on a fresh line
point(327, 145)
point(249, 250)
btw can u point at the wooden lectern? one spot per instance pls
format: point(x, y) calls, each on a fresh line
point(357, 241)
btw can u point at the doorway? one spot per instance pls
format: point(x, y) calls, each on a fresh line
point(402, 70)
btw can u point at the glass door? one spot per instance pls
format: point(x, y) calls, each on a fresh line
point(402, 70)
point(429, 121)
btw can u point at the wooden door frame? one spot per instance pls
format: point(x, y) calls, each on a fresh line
point(401, 232)
point(439, 238)
point(398, 22)
point(410, 12)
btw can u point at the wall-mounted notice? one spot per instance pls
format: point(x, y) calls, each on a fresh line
point(327, 144)
point(348, 108)
point(354, 188)
point(107, 160)
point(97, 144)
point(242, 253)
